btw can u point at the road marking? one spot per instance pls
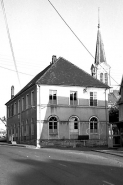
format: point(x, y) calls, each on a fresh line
point(108, 183)
point(62, 165)
point(36, 156)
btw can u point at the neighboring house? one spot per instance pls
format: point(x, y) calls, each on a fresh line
point(61, 102)
point(116, 128)
point(2, 129)
point(120, 123)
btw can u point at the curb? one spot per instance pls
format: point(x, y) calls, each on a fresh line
point(34, 147)
point(18, 145)
point(106, 152)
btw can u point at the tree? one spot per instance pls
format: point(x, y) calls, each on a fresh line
point(113, 114)
point(3, 119)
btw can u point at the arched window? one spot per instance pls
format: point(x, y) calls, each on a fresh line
point(93, 125)
point(106, 78)
point(53, 125)
point(74, 124)
point(101, 77)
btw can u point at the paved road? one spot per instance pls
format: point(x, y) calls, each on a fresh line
point(23, 166)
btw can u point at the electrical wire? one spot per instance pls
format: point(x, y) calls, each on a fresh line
point(10, 41)
point(79, 39)
point(16, 71)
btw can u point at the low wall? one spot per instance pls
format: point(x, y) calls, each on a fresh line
point(73, 143)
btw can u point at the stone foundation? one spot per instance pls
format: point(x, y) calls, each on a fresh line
point(72, 143)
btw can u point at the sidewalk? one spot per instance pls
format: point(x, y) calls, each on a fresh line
point(111, 151)
point(116, 152)
point(18, 145)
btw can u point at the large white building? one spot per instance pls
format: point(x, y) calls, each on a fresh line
point(61, 102)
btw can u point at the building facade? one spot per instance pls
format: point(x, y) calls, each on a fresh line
point(120, 123)
point(61, 102)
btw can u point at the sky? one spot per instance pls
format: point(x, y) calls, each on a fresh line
point(37, 33)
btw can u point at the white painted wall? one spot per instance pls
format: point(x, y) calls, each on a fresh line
point(64, 112)
point(64, 91)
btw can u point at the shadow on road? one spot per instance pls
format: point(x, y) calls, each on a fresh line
point(65, 172)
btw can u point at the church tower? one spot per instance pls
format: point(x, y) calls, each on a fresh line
point(100, 69)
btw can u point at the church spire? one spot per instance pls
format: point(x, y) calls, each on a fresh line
point(98, 18)
point(100, 69)
point(100, 54)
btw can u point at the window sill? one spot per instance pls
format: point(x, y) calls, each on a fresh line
point(53, 133)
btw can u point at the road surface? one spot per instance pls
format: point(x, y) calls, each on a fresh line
point(25, 166)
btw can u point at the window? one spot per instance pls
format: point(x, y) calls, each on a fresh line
point(22, 130)
point(73, 98)
point(32, 126)
point(8, 111)
point(15, 108)
point(32, 98)
point(14, 130)
point(18, 106)
point(74, 124)
point(106, 78)
point(27, 128)
point(101, 77)
point(93, 125)
point(93, 98)
point(53, 125)
point(12, 113)
point(53, 97)
point(22, 104)
point(17, 131)
point(27, 101)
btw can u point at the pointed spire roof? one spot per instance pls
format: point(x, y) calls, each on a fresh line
point(100, 53)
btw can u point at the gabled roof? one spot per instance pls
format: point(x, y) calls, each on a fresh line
point(63, 72)
point(31, 83)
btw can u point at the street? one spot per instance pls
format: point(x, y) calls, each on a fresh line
point(25, 166)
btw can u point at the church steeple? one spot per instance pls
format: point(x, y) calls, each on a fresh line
point(98, 18)
point(100, 69)
point(100, 53)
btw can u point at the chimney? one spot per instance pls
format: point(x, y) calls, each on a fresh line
point(12, 91)
point(54, 59)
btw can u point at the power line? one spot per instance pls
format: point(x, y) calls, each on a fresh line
point(16, 71)
point(70, 29)
point(4, 63)
point(78, 38)
point(9, 37)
